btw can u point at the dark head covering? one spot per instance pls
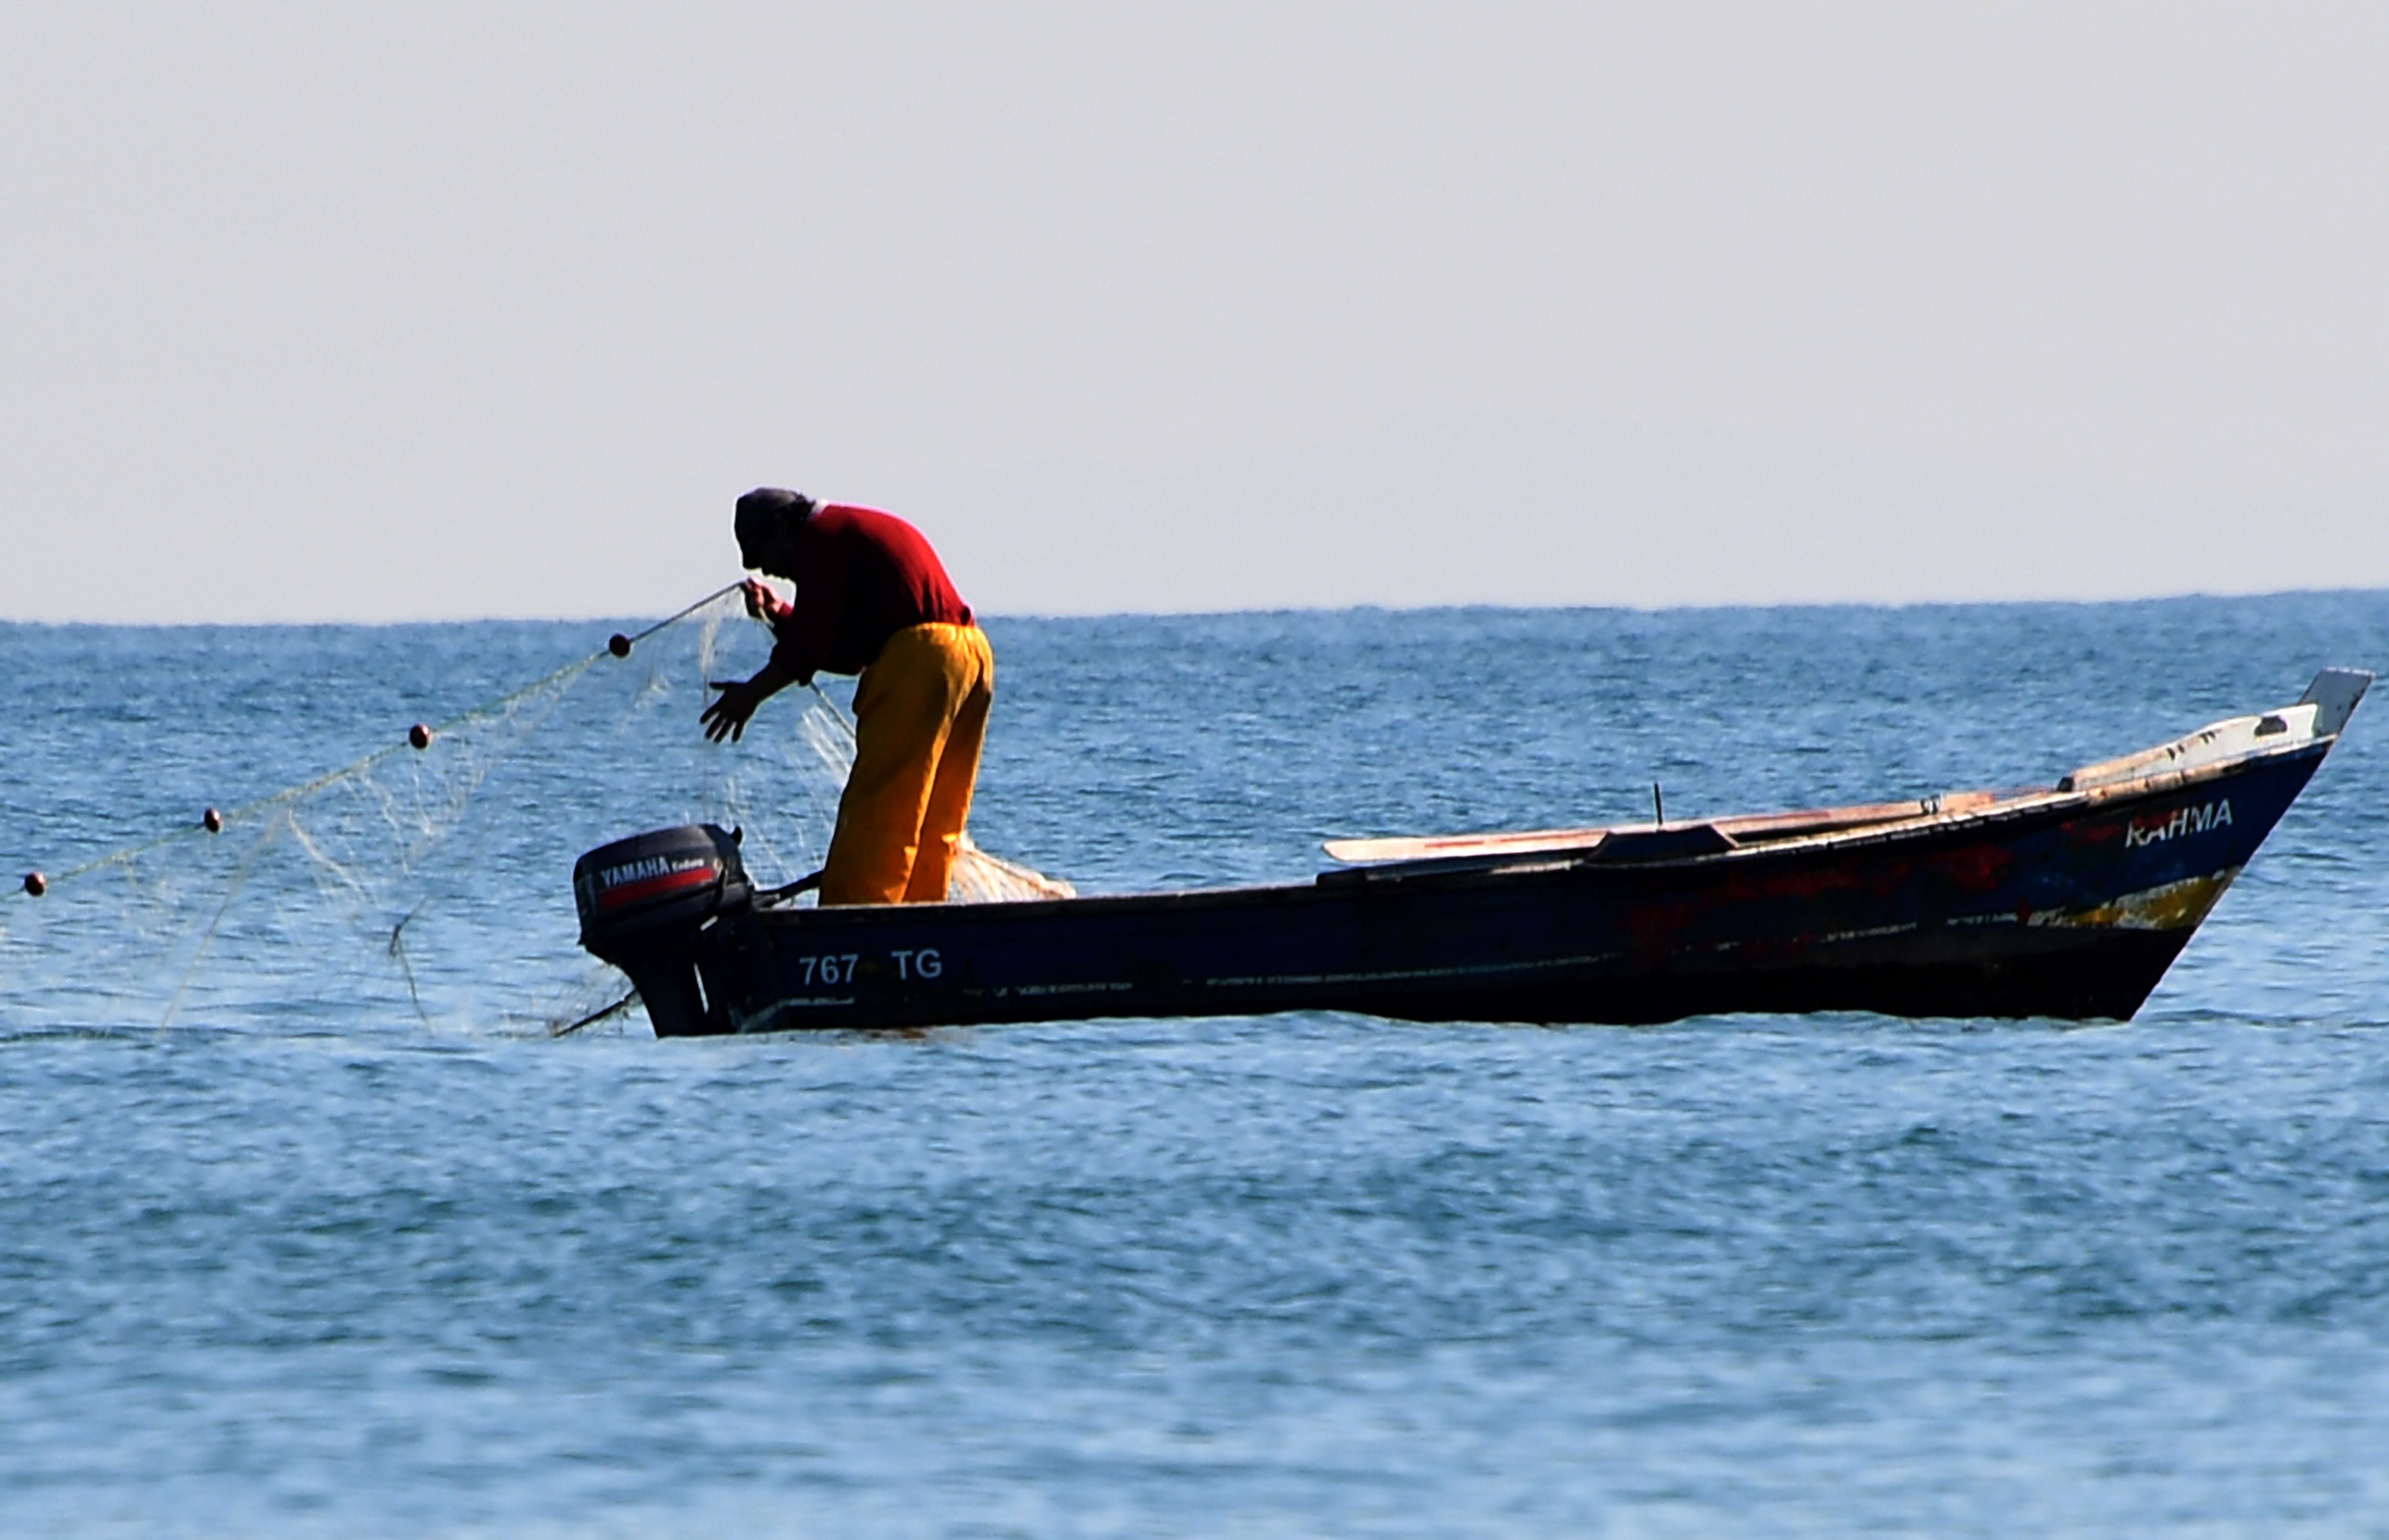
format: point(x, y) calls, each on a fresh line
point(766, 510)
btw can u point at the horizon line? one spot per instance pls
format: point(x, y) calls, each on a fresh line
point(596, 617)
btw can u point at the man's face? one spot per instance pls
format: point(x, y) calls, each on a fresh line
point(771, 553)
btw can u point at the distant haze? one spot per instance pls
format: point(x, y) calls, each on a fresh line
point(452, 310)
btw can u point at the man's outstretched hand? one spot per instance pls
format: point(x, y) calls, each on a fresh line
point(726, 716)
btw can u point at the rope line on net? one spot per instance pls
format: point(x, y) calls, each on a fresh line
point(679, 614)
point(419, 736)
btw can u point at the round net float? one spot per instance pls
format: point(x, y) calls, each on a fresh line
point(419, 734)
point(619, 645)
point(212, 821)
point(36, 884)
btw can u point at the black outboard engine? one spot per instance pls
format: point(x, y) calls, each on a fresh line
point(643, 902)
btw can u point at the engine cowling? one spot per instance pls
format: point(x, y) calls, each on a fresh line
point(643, 902)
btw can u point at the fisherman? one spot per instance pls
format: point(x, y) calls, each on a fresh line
point(872, 599)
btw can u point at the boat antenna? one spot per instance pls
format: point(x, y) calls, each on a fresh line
point(1658, 808)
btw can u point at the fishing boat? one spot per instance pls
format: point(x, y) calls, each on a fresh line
point(2068, 901)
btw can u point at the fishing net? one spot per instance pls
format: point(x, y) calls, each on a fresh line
point(427, 885)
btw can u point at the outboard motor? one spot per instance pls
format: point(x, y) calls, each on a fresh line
point(643, 902)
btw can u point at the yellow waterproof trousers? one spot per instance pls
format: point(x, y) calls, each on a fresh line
point(920, 718)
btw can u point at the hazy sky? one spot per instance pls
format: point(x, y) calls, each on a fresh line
point(421, 310)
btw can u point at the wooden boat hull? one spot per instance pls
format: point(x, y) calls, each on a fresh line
point(2069, 903)
point(2042, 912)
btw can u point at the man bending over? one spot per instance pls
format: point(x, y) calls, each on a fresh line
point(872, 599)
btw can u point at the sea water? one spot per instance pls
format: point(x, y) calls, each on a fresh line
point(333, 1264)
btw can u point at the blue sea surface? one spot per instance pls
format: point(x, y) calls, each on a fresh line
point(333, 1258)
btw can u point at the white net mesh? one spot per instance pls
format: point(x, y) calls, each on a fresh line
point(429, 886)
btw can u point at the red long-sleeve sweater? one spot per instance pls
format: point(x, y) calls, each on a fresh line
point(862, 576)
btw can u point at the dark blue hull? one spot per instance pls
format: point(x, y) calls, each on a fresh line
point(2051, 905)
